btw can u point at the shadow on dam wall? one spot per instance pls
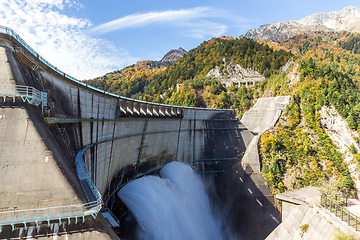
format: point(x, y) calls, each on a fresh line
point(247, 203)
point(241, 194)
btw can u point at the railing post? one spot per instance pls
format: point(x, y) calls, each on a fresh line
point(330, 206)
point(342, 214)
point(355, 223)
point(348, 220)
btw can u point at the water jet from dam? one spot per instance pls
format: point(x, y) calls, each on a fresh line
point(174, 206)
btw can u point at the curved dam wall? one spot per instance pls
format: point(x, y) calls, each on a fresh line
point(86, 117)
point(129, 137)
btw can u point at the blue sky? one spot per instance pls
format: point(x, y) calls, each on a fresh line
point(88, 38)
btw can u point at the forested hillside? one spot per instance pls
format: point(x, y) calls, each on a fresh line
point(129, 81)
point(150, 82)
point(325, 70)
point(298, 152)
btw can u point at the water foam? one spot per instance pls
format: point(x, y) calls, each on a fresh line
point(175, 206)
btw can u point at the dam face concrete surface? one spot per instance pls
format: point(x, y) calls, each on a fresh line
point(242, 188)
point(67, 148)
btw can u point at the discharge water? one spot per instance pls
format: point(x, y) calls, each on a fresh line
point(174, 206)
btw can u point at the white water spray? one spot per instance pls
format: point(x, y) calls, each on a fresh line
point(175, 206)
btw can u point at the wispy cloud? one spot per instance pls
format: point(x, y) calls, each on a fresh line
point(61, 39)
point(205, 28)
point(144, 19)
point(192, 19)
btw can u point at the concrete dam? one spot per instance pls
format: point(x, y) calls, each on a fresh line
point(66, 148)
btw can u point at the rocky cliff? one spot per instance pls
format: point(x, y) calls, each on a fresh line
point(173, 56)
point(281, 30)
point(342, 136)
point(347, 19)
point(233, 72)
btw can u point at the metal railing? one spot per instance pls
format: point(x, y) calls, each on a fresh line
point(26, 93)
point(48, 214)
point(341, 212)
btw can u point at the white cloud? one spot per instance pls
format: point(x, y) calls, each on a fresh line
point(191, 19)
point(61, 39)
point(205, 28)
point(143, 19)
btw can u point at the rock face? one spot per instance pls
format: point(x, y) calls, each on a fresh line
point(233, 72)
point(343, 137)
point(347, 19)
point(281, 30)
point(173, 56)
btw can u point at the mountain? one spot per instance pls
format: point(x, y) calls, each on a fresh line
point(347, 19)
point(281, 30)
point(150, 80)
point(132, 80)
point(173, 56)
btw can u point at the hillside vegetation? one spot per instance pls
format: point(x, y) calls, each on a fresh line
point(150, 82)
point(297, 152)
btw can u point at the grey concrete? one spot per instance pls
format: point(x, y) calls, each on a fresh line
point(30, 176)
point(302, 206)
point(260, 118)
point(290, 200)
point(265, 113)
